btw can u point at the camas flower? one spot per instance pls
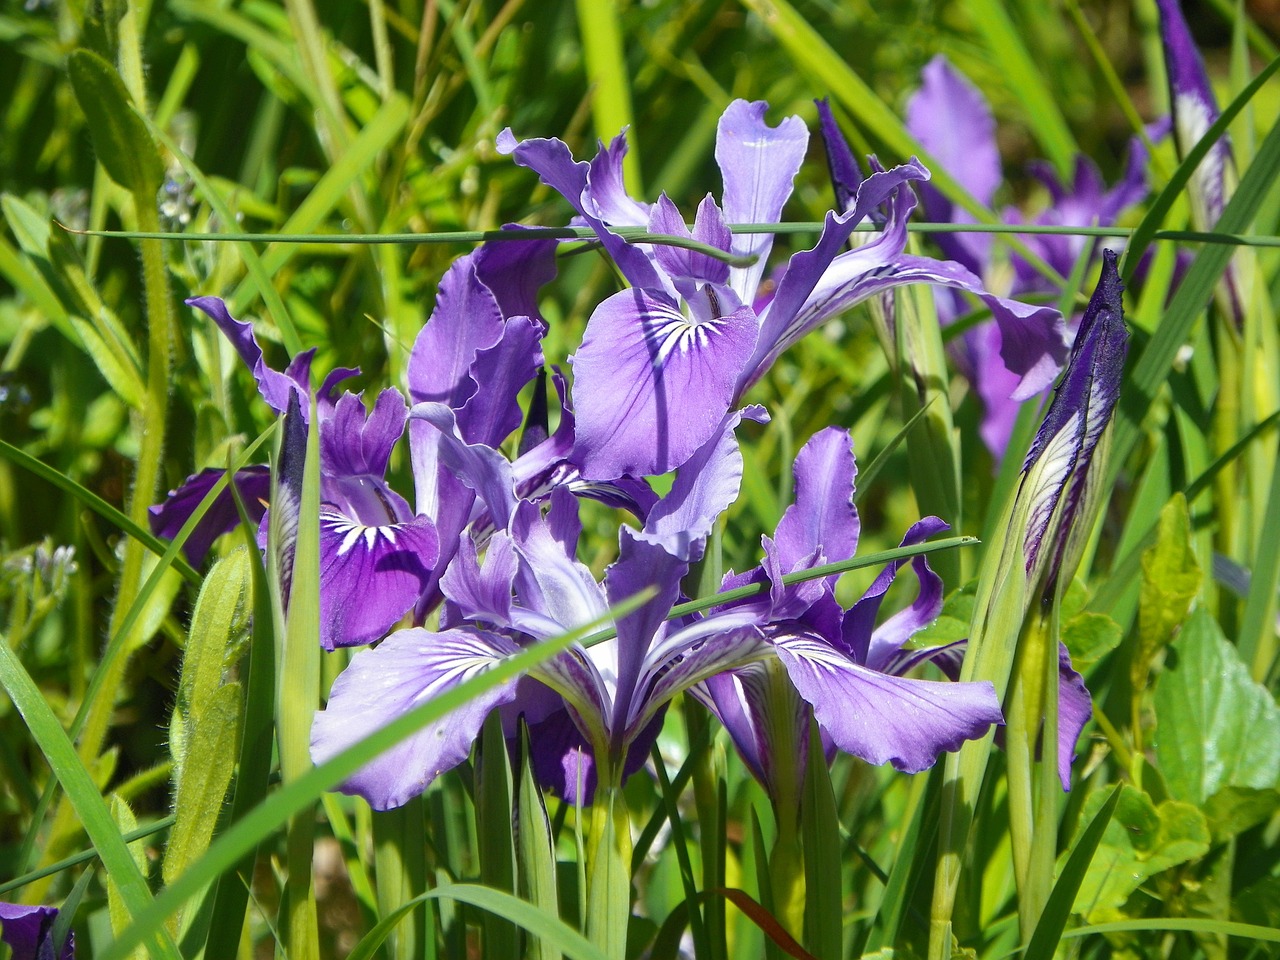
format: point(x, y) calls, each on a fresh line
point(663, 361)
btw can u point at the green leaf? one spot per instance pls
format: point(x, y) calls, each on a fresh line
point(126, 822)
point(219, 617)
point(120, 138)
point(535, 851)
point(1170, 581)
point(1215, 726)
point(1141, 841)
point(820, 827)
point(1233, 810)
point(493, 834)
point(212, 744)
point(1090, 636)
point(1053, 919)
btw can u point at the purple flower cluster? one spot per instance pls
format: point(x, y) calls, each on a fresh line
point(485, 561)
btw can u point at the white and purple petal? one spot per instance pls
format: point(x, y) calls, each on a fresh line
point(651, 385)
point(408, 669)
point(370, 576)
point(885, 719)
point(758, 164)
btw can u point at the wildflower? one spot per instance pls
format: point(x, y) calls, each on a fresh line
point(849, 670)
point(1195, 110)
point(969, 152)
point(611, 695)
point(662, 362)
point(28, 932)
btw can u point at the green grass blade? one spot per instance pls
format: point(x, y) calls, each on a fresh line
point(1256, 636)
point(1057, 910)
point(820, 828)
point(547, 927)
point(99, 506)
point(606, 65)
point(85, 799)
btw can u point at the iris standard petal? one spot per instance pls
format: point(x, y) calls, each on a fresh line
point(407, 669)
point(354, 441)
point(758, 163)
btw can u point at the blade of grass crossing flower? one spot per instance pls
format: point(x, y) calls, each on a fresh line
point(493, 798)
point(85, 799)
point(1053, 919)
point(868, 474)
point(267, 817)
point(67, 912)
point(535, 851)
point(1144, 377)
point(820, 830)
point(606, 65)
point(298, 685)
point(1017, 63)
point(84, 856)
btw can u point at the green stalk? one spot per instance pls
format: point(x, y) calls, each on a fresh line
point(608, 868)
point(151, 424)
point(298, 694)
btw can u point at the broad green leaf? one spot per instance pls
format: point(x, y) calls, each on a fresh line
point(219, 617)
point(1232, 810)
point(212, 745)
point(1260, 903)
point(1090, 636)
point(120, 138)
point(1170, 581)
point(1141, 841)
point(1215, 726)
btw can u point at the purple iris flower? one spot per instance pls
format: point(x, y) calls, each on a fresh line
point(845, 667)
point(969, 152)
point(1195, 109)
point(1059, 475)
point(593, 711)
point(376, 556)
point(663, 361)
point(28, 932)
